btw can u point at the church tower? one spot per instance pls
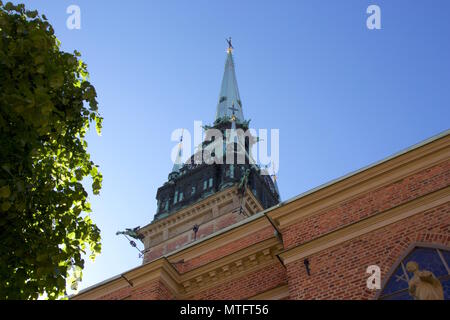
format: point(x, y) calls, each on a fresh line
point(218, 186)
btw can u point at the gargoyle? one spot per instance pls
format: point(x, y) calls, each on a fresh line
point(132, 232)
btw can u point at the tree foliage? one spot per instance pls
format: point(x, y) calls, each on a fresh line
point(46, 108)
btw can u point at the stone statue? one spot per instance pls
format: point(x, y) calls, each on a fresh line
point(424, 285)
point(244, 181)
point(131, 232)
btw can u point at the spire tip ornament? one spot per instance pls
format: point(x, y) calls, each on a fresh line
point(230, 46)
point(229, 92)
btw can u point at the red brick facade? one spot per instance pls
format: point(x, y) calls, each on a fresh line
point(151, 290)
point(368, 204)
point(211, 216)
point(340, 272)
point(372, 217)
point(247, 286)
point(222, 251)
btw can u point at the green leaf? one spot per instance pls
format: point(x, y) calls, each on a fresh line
point(6, 205)
point(32, 14)
point(9, 6)
point(40, 69)
point(99, 125)
point(5, 192)
point(56, 81)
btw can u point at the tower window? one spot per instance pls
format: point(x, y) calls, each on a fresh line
point(231, 171)
point(175, 198)
point(193, 190)
point(205, 184)
point(181, 196)
point(210, 182)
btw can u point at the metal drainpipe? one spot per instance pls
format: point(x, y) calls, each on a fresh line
point(279, 236)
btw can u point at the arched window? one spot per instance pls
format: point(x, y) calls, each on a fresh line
point(434, 259)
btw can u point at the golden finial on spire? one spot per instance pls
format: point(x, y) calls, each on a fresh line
point(230, 46)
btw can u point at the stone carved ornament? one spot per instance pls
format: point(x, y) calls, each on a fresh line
point(424, 285)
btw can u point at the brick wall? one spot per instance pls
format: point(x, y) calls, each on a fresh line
point(118, 294)
point(225, 221)
point(366, 205)
point(187, 237)
point(245, 287)
point(155, 290)
point(340, 271)
point(152, 290)
point(222, 251)
point(154, 253)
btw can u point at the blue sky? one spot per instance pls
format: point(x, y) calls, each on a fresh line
point(341, 95)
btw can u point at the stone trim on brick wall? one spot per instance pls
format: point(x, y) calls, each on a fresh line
point(367, 225)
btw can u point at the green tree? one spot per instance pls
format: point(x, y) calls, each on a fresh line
point(46, 108)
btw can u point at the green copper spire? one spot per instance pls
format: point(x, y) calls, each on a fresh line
point(229, 99)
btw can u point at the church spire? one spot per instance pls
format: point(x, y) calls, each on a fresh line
point(229, 98)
